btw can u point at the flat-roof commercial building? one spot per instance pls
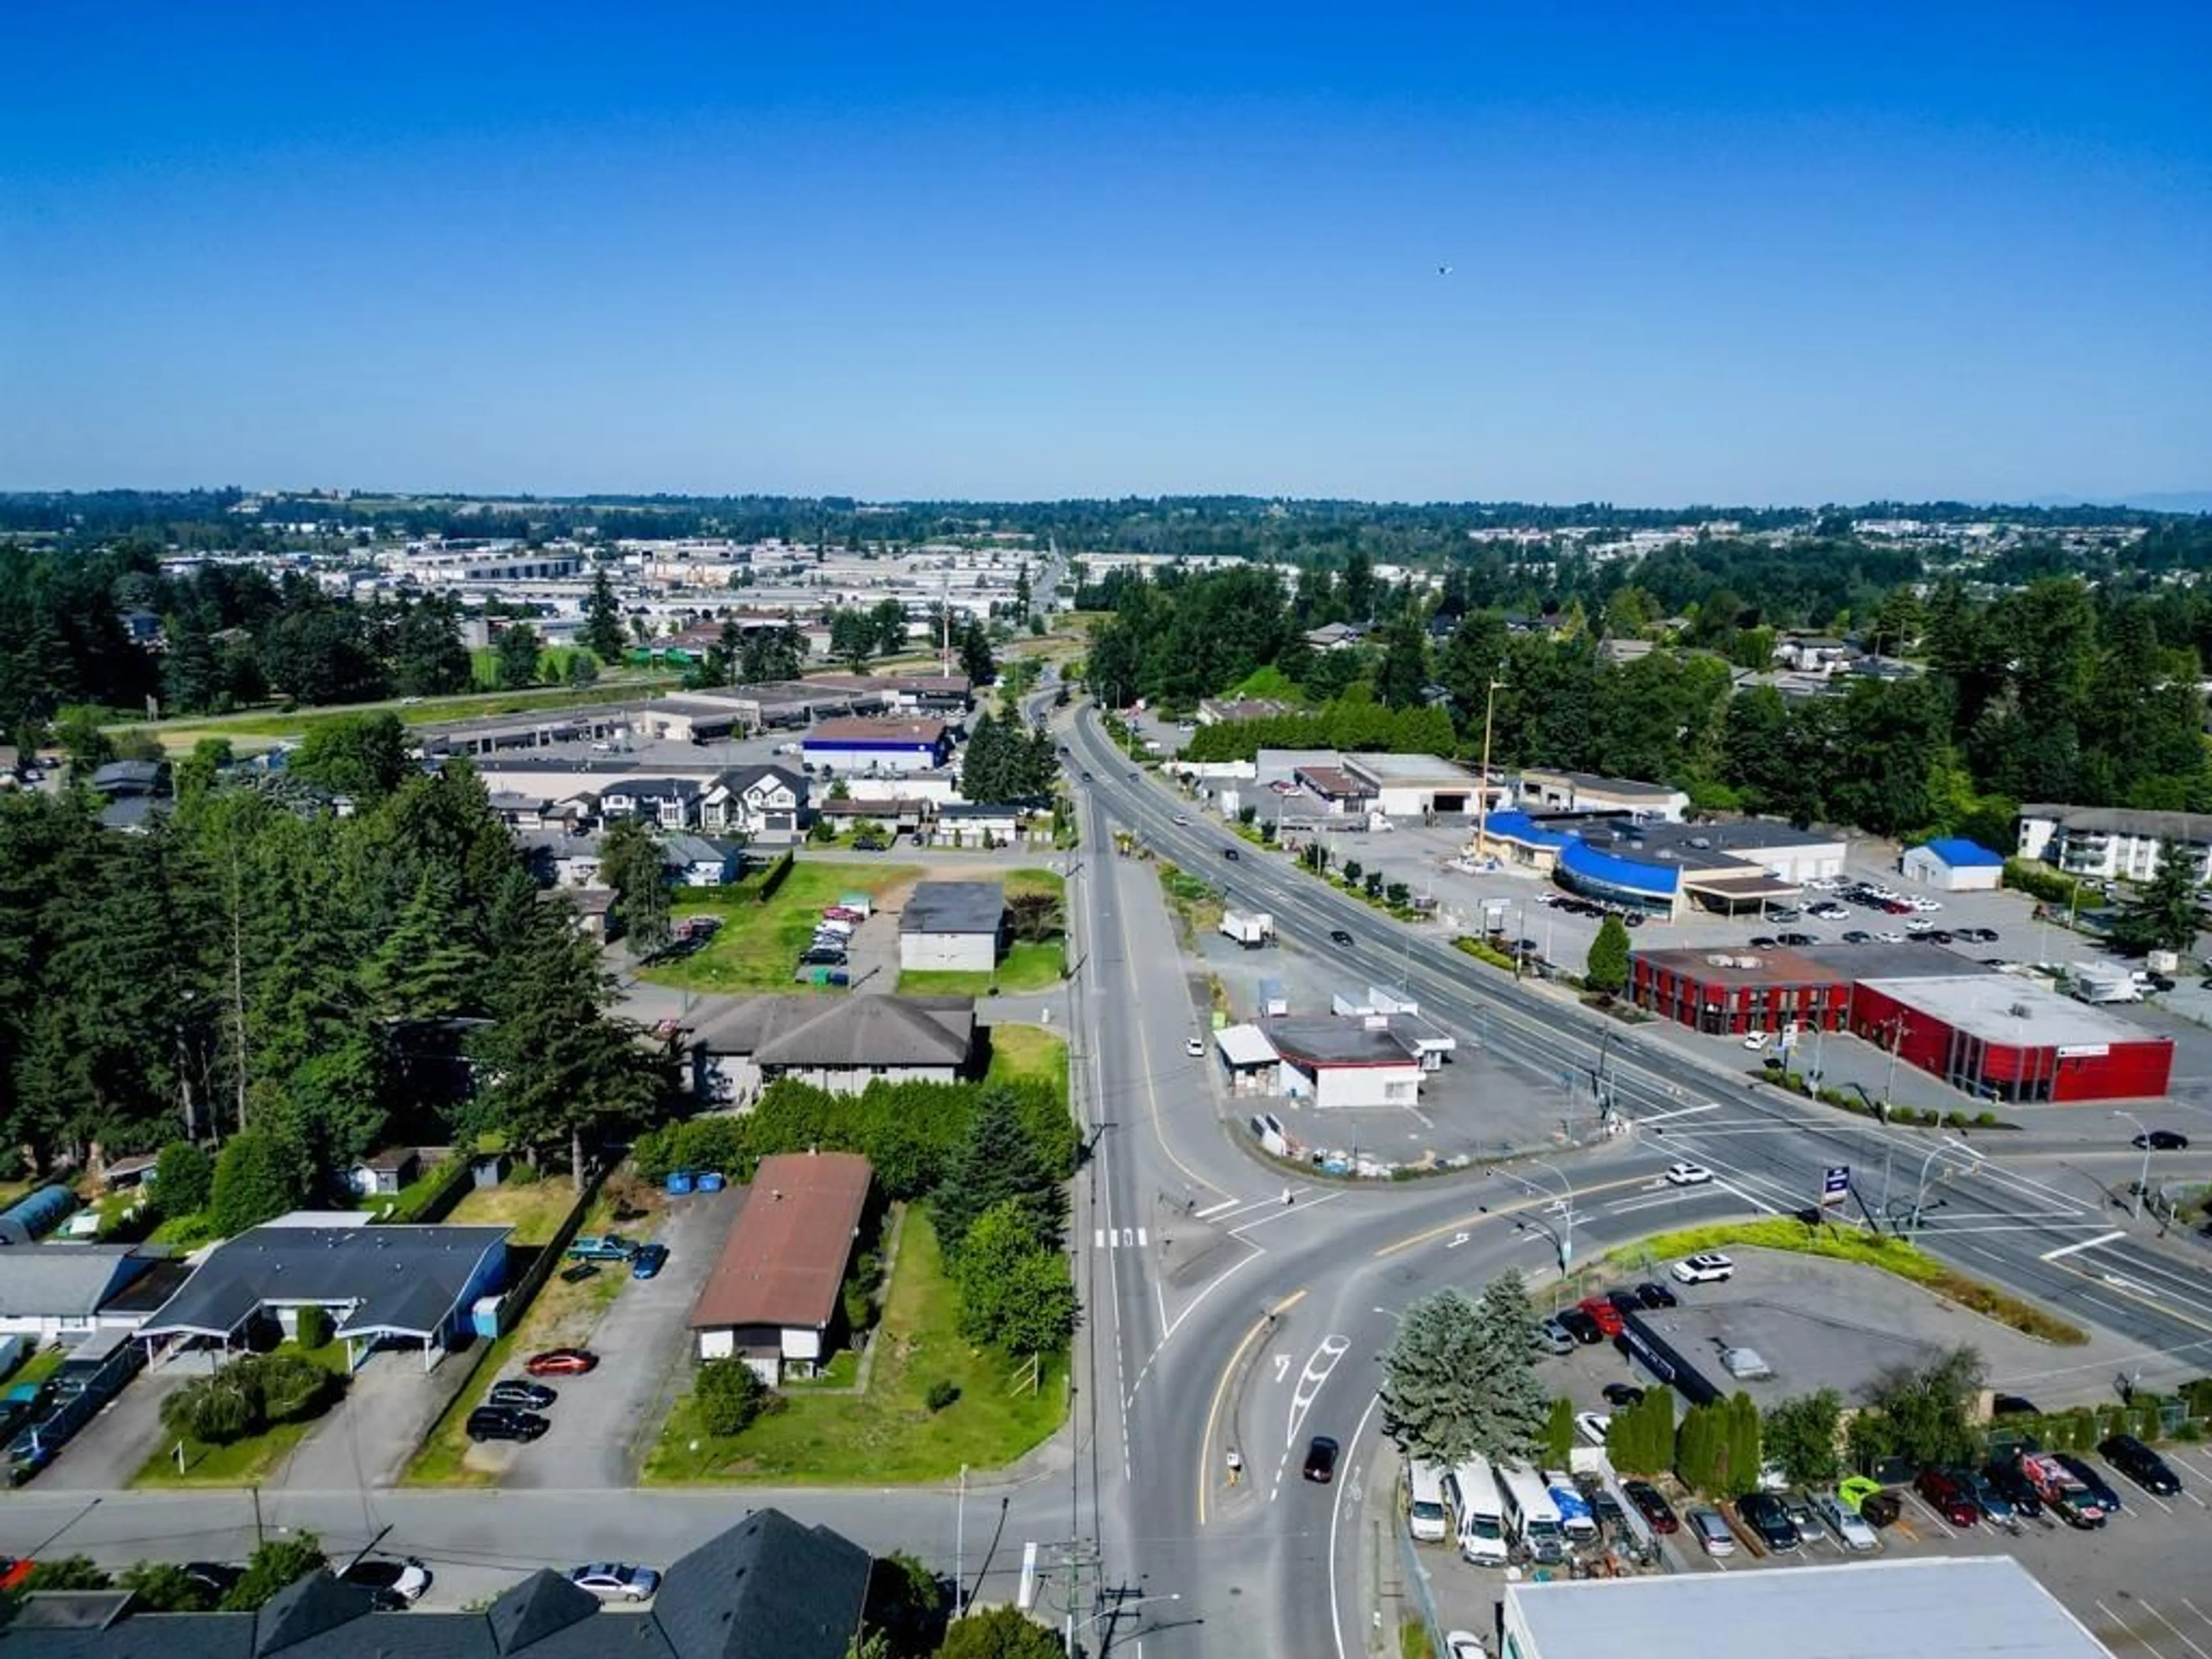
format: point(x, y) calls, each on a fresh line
point(1543, 788)
point(880, 745)
point(403, 1284)
point(1951, 865)
point(774, 1298)
point(1336, 1062)
point(1972, 1607)
point(1666, 868)
point(953, 925)
point(2010, 1039)
point(1414, 785)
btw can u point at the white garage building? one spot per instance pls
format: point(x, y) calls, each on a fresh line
point(1346, 1063)
point(1413, 785)
point(953, 925)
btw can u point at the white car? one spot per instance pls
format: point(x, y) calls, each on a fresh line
point(1851, 1531)
point(1194, 1047)
point(1688, 1175)
point(1710, 1268)
point(1888, 937)
point(1919, 925)
point(1463, 1644)
point(1757, 1040)
point(1925, 906)
point(1593, 1426)
point(1181, 821)
point(616, 1581)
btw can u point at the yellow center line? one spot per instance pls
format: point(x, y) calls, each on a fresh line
point(1220, 1388)
point(1496, 1210)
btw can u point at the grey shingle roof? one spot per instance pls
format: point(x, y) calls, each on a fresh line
point(776, 1029)
point(65, 1281)
point(404, 1279)
point(768, 1589)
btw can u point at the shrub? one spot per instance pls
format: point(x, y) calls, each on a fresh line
point(255, 1181)
point(314, 1326)
point(523, 1175)
point(1985, 1120)
point(729, 1396)
point(184, 1179)
point(942, 1393)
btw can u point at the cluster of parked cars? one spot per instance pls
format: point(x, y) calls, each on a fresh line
point(588, 1251)
point(1596, 1318)
point(514, 1409)
point(832, 940)
point(1582, 907)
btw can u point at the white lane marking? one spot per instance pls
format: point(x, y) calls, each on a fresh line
point(1283, 1211)
point(2085, 1244)
point(2192, 1645)
point(1311, 1382)
point(1216, 1209)
point(1680, 1111)
point(1335, 1517)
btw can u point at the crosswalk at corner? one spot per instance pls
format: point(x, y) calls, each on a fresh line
point(1118, 1239)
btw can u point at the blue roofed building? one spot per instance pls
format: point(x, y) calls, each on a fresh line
point(1662, 868)
point(1950, 864)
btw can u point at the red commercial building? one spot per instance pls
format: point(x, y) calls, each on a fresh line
point(2010, 1039)
point(1993, 1035)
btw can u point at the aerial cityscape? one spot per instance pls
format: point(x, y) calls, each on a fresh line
point(1001, 835)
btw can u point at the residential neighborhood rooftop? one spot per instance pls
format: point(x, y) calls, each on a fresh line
point(784, 1261)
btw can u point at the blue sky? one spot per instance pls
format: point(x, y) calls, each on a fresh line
point(1737, 254)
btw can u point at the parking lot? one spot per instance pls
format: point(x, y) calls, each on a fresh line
point(2140, 1584)
point(604, 1420)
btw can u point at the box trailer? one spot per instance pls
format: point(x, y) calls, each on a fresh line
point(1250, 928)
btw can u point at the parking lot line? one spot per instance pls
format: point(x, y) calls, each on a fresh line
point(2122, 1625)
point(1927, 1510)
point(2188, 1640)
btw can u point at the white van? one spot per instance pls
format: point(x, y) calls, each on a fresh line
point(1477, 1511)
point(1425, 1502)
point(1530, 1516)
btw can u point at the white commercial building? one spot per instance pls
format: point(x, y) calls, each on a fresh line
point(1953, 866)
point(953, 925)
point(1545, 791)
point(1413, 785)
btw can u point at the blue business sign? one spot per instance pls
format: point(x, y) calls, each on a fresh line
point(1835, 1184)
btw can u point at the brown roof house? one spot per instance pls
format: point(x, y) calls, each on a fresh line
point(774, 1298)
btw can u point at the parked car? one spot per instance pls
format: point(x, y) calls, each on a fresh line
point(1594, 1426)
point(2009, 1478)
point(1849, 1529)
point(1693, 1175)
point(1802, 1516)
point(1194, 1047)
point(616, 1581)
point(1710, 1531)
point(1554, 1337)
point(593, 1247)
point(1948, 1496)
point(2139, 1464)
point(1988, 1496)
point(1622, 1395)
point(1794, 940)
point(1709, 1268)
point(1651, 1504)
point(561, 1362)
point(1320, 1459)
point(1625, 1301)
point(1763, 1513)
point(1656, 1295)
point(1857, 936)
point(396, 1584)
point(2099, 1488)
point(648, 1262)
point(504, 1423)
point(2162, 1141)
point(1606, 1316)
point(519, 1395)
point(1580, 1326)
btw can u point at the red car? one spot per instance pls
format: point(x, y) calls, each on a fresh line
point(1654, 1507)
point(561, 1362)
point(1606, 1315)
point(1949, 1497)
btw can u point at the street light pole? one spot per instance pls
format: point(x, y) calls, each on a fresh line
point(1111, 1611)
point(2135, 1210)
point(1482, 798)
point(1566, 1238)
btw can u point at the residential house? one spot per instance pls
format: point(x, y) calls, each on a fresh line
point(1333, 636)
point(700, 861)
point(50, 1291)
point(774, 1298)
point(1213, 711)
point(765, 804)
point(382, 1173)
point(739, 1045)
point(970, 823)
point(668, 803)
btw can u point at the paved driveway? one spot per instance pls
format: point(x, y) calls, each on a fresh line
point(108, 1450)
point(603, 1423)
point(366, 1439)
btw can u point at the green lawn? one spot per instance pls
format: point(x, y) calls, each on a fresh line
point(887, 1435)
point(1028, 1051)
point(758, 945)
point(1033, 967)
point(179, 735)
point(534, 1210)
point(248, 1462)
point(40, 1366)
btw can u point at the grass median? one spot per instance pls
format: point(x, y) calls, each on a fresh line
point(1844, 1244)
point(886, 1434)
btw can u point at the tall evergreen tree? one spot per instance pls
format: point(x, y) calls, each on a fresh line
point(603, 620)
point(998, 1164)
point(631, 862)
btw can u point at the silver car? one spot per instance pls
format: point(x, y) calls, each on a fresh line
point(1711, 1531)
point(1850, 1531)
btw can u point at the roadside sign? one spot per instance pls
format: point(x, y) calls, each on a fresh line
point(1835, 1184)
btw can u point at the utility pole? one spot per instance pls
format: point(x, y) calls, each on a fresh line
point(1482, 797)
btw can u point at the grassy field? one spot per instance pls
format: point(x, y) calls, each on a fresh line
point(248, 1462)
point(758, 945)
point(1028, 1051)
point(563, 1314)
point(270, 724)
point(1032, 967)
point(534, 1211)
point(1843, 1243)
point(889, 1434)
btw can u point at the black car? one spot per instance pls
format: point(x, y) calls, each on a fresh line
point(1087, 777)
point(1628, 1302)
point(1338, 936)
point(1656, 1295)
point(1623, 1394)
point(2139, 1464)
point(1938, 937)
point(2009, 1478)
point(1581, 1327)
point(1763, 1513)
point(505, 1423)
point(2162, 1141)
point(1794, 939)
point(2099, 1488)
point(517, 1395)
point(1763, 942)
point(1320, 1459)
point(1231, 852)
point(1858, 936)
